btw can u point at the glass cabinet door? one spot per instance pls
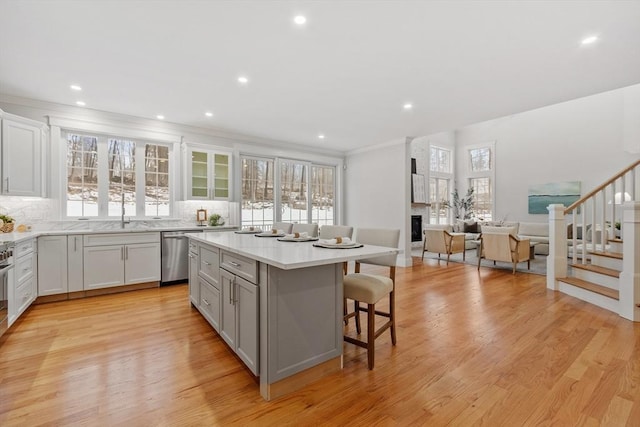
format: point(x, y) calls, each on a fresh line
point(199, 175)
point(210, 175)
point(221, 176)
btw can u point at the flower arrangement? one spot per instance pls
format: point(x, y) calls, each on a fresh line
point(215, 220)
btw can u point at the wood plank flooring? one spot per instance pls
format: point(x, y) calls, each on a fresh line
point(474, 348)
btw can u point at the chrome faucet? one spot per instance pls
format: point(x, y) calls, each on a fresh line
point(122, 221)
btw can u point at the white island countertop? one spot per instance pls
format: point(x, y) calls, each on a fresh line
point(286, 255)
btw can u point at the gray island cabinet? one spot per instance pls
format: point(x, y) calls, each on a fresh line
point(278, 305)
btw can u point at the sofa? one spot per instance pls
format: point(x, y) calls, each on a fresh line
point(534, 231)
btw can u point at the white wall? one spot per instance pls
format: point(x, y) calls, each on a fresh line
point(580, 140)
point(377, 191)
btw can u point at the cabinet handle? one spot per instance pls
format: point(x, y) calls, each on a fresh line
point(75, 244)
point(204, 300)
point(192, 256)
point(126, 252)
point(235, 264)
point(205, 262)
point(122, 254)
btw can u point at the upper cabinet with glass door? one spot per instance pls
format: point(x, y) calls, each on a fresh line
point(209, 174)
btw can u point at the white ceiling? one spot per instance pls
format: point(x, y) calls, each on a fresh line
point(346, 73)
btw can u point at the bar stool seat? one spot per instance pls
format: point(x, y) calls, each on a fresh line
point(367, 288)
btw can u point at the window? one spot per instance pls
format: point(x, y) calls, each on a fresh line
point(480, 159)
point(293, 191)
point(257, 192)
point(306, 192)
point(439, 193)
point(82, 175)
point(440, 159)
point(481, 178)
point(440, 177)
point(322, 195)
point(483, 200)
point(156, 185)
point(106, 173)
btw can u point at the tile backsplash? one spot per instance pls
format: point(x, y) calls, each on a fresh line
point(44, 214)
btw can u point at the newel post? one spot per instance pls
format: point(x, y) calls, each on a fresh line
point(557, 259)
point(630, 276)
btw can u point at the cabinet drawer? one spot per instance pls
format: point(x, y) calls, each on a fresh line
point(24, 268)
point(24, 248)
point(210, 303)
point(25, 294)
point(120, 238)
point(246, 268)
point(210, 264)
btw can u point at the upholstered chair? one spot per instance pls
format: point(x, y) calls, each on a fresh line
point(441, 240)
point(284, 226)
point(311, 229)
point(371, 288)
point(333, 231)
point(502, 245)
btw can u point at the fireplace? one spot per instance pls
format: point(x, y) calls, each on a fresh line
point(416, 228)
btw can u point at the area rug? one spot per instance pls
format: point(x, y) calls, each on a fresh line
point(538, 265)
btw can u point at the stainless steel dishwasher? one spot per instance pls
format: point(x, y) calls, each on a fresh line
point(175, 258)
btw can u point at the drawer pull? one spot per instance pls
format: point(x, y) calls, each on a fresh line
point(192, 256)
point(206, 263)
point(204, 300)
point(235, 264)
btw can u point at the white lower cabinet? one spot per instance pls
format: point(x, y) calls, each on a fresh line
point(75, 275)
point(107, 263)
point(239, 317)
point(22, 279)
point(52, 265)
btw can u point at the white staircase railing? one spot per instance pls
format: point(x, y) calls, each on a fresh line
point(598, 225)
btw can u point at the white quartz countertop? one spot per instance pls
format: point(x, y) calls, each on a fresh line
point(16, 237)
point(286, 255)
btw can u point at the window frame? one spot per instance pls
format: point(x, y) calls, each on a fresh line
point(490, 174)
point(438, 175)
point(102, 173)
point(277, 202)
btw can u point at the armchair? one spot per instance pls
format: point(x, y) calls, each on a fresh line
point(504, 247)
point(440, 239)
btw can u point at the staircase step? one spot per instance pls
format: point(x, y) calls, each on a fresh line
point(616, 240)
point(615, 255)
point(589, 286)
point(597, 269)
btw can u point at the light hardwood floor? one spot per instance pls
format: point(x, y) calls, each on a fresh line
point(474, 348)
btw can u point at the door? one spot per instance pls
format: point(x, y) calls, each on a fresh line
point(20, 158)
point(75, 263)
point(142, 263)
point(228, 309)
point(247, 323)
point(103, 266)
point(52, 265)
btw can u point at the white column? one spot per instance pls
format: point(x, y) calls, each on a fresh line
point(630, 276)
point(557, 259)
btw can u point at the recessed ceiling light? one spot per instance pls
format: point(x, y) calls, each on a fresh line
point(590, 39)
point(321, 136)
point(75, 87)
point(300, 20)
point(160, 117)
point(81, 103)
point(208, 114)
point(243, 80)
point(407, 106)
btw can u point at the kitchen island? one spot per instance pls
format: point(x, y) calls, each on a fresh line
point(277, 304)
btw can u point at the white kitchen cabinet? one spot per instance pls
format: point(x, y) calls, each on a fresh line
point(23, 279)
point(21, 156)
point(52, 265)
point(239, 317)
point(209, 174)
point(120, 259)
point(75, 263)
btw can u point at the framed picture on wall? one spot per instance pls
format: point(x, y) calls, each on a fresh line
point(418, 189)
